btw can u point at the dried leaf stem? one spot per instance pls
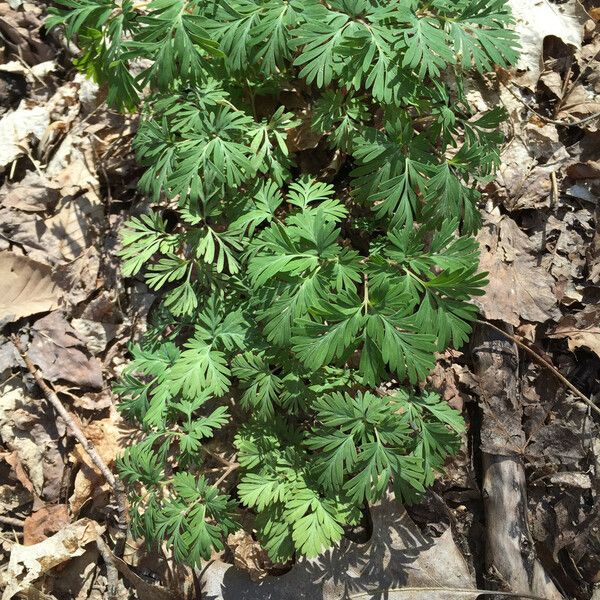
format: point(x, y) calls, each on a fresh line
point(544, 363)
point(115, 484)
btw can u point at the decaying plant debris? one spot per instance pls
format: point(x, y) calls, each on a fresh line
point(69, 182)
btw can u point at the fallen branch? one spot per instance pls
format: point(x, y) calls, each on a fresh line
point(510, 554)
point(115, 484)
point(544, 363)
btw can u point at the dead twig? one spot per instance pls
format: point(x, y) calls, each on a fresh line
point(115, 484)
point(112, 575)
point(544, 363)
point(233, 467)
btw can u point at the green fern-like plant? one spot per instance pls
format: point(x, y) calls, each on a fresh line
point(294, 282)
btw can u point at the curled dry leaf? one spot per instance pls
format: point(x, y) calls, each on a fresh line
point(30, 431)
point(538, 19)
point(28, 565)
point(28, 287)
point(25, 457)
point(249, 555)
point(581, 330)
point(18, 128)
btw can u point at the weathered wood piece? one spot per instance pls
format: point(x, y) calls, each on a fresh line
point(510, 554)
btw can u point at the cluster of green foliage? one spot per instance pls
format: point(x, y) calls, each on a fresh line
point(292, 291)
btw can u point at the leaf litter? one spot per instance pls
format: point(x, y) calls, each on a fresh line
point(68, 181)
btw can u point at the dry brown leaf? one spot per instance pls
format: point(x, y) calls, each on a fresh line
point(79, 279)
point(72, 166)
point(44, 522)
point(592, 254)
point(20, 31)
point(96, 335)
point(33, 193)
point(302, 138)
point(61, 355)
point(528, 161)
point(28, 287)
point(444, 380)
point(581, 330)
point(28, 565)
point(90, 401)
point(30, 431)
point(538, 19)
point(519, 289)
point(249, 555)
point(13, 497)
point(581, 103)
point(71, 228)
point(552, 79)
point(13, 459)
point(59, 239)
point(18, 128)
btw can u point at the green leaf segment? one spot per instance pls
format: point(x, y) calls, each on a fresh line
point(298, 277)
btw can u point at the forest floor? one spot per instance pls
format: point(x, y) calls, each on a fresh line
point(68, 182)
